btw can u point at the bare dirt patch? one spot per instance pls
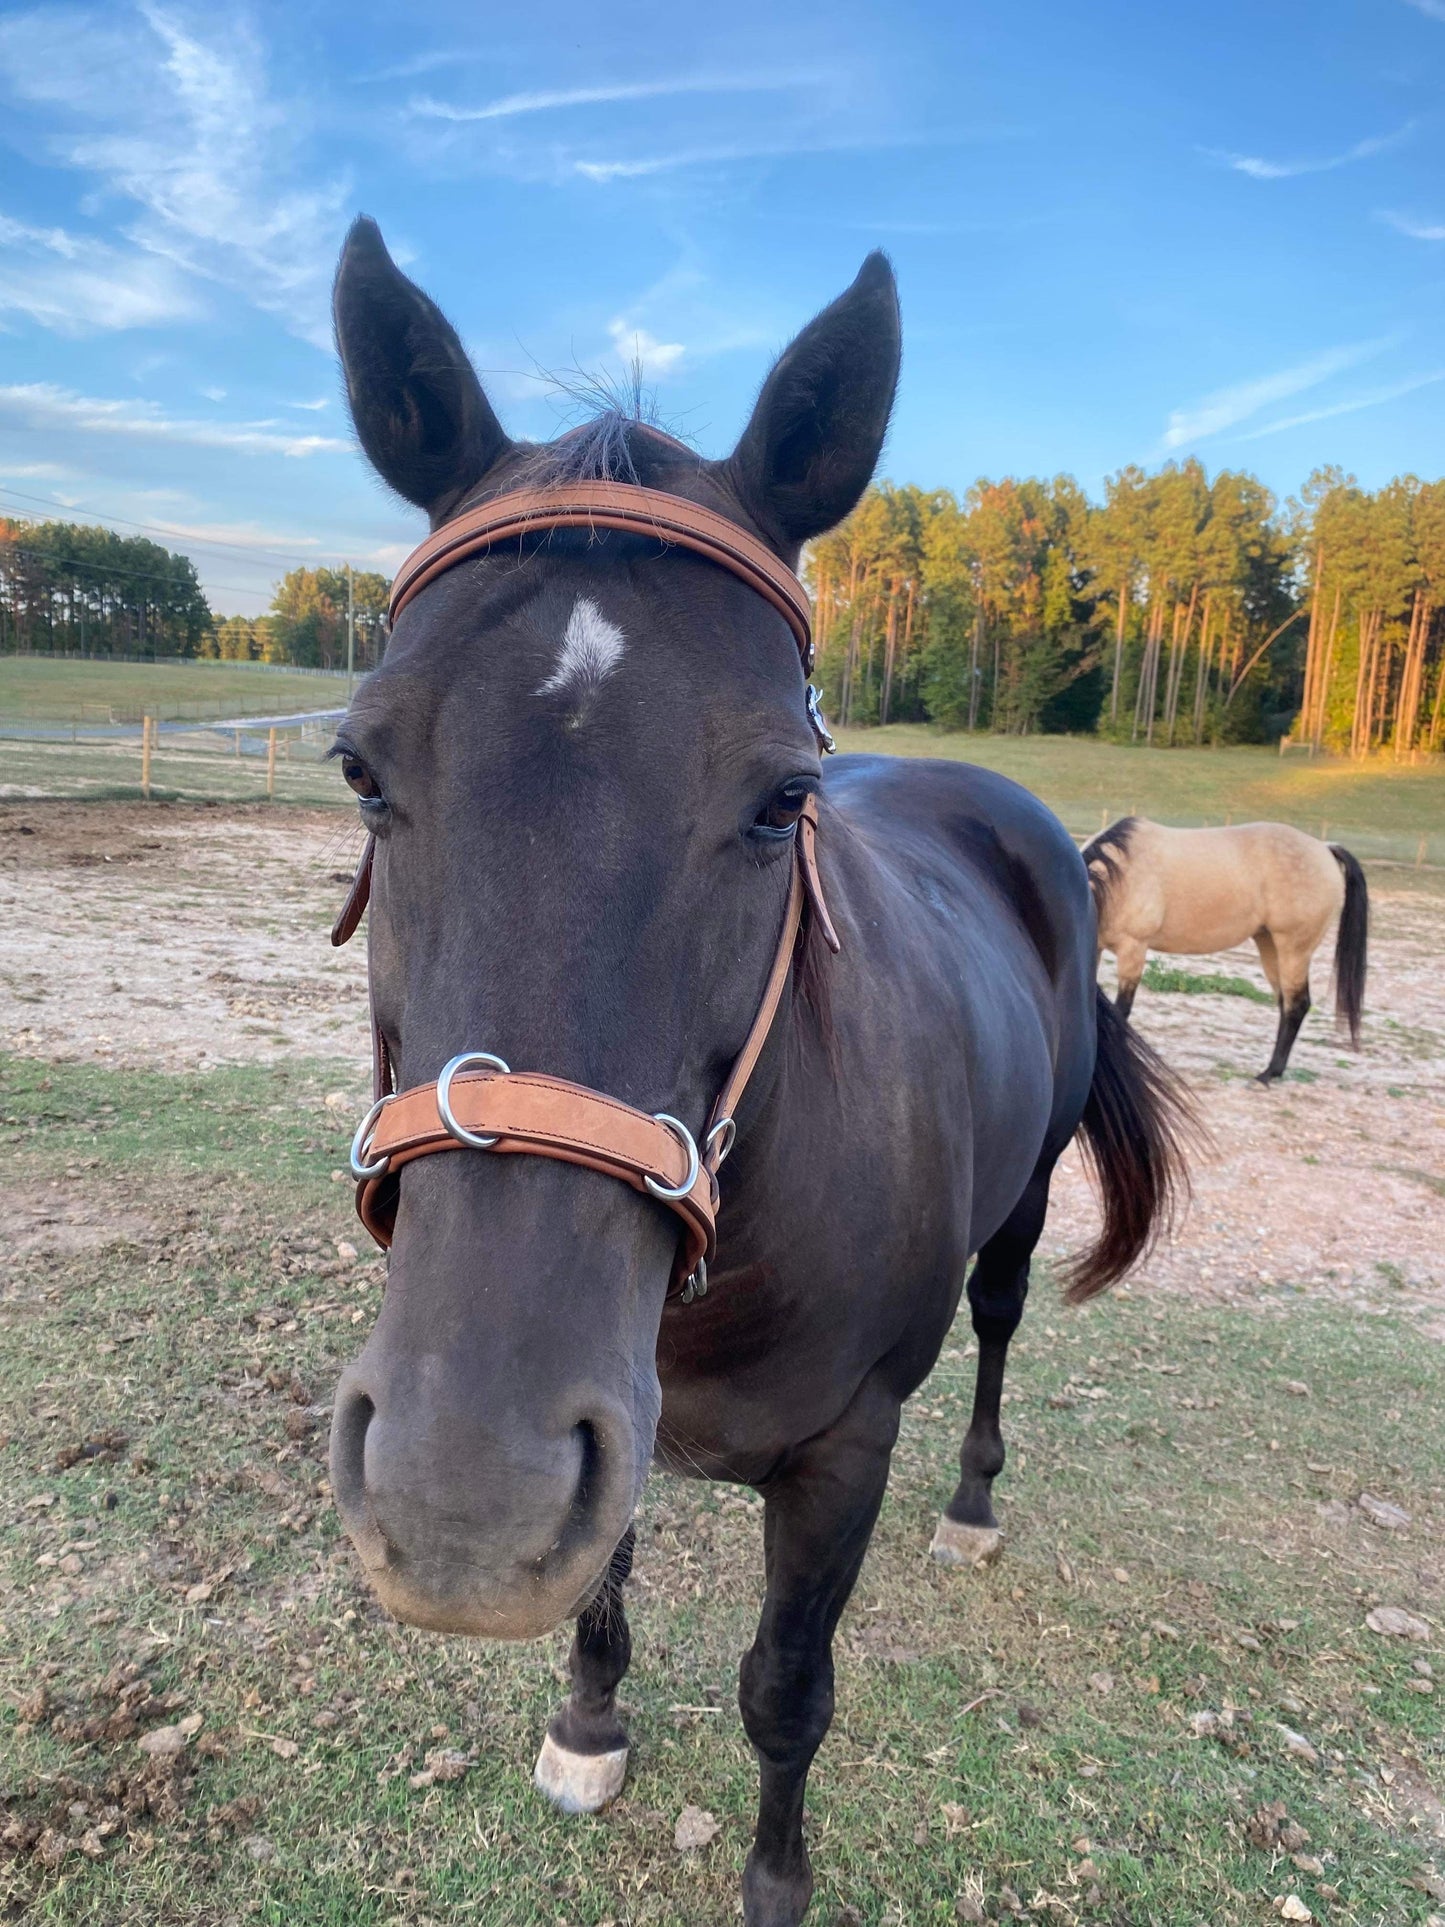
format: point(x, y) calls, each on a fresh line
point(176, 937)
point(1333, 1181)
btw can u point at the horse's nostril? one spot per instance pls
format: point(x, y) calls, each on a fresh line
point(589, 1466)
point(353, 1414)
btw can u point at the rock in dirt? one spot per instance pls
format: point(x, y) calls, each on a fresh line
point(695, 1828)
point(1398, 1623)
point(1380, 1512)
point(167, 1742)
point(1297, 1744)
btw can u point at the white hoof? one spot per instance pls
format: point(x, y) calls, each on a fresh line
point(579, 1782)
point(956, 1545)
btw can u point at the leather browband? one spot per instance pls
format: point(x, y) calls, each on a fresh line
point(549, 1116)
point(671, 519)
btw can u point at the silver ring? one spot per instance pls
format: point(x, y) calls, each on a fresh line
point(726, 1129)
point(444, 1095)
point(364, 1129)
point(667, 1192)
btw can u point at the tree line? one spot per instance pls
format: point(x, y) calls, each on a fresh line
point(74, 588)
point(1177, 610)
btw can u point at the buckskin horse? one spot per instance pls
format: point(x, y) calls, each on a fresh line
point(1190, 892)
point(789, 1047)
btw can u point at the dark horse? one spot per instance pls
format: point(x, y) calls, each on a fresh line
point(584, 761)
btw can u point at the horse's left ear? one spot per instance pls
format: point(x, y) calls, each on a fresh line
point(817, 431)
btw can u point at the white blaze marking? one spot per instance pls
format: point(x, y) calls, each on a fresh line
point(591, 650)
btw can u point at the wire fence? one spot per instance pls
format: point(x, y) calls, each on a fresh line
point(243, 765)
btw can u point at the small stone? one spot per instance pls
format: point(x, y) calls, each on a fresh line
point(1381, 1512)
point(1297, 1744)
point(259, 1848)
point(1101, 1683)
point(1291, 1907)
point(346, 1251)
point(1397, 1623)
point(696, 1828)
point(163, 1742)
point(1308, 1863)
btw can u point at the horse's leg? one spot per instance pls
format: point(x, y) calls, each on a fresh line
point(583, 1761)
point(819, 1516)
point(1287, 966)
point(1130, 958)
point(968, 1533)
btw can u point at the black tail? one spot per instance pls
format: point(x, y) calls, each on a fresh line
point(1351, 945)
point(1137, 1126)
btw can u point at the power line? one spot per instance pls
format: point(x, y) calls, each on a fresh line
point(102, 516)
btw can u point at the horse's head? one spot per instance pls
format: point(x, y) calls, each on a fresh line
point(583, 760)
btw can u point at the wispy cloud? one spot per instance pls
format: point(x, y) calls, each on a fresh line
point(45, 408)
point(766, 148)
point(542, 101)
point(181, 123)
point(1259, 169)
point(77, 285)
point(1432, 9)
point(638, 349)
point(1226, 407)
point(1371, 400)
point(1417, 229)
point(312, 407)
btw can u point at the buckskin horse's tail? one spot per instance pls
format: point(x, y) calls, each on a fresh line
point(1351, 944)
point(1137, 1126)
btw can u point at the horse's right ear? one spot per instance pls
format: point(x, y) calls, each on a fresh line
point(418, 407)
point(817, 431)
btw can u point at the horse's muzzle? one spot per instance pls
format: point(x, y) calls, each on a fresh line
point(498, 1530)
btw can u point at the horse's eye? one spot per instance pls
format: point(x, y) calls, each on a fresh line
point(783, 809)
point(360, 778)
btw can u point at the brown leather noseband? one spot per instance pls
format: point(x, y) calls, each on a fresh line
point(479, 1102)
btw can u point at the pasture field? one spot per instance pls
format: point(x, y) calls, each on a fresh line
point(1102, 1725)
point(1386, 807)
point(1131, 1721)
point(35, 689)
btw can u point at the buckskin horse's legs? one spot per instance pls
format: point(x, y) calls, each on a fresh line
point(968, 1533)
point(819, 1517)
point(583, 1761)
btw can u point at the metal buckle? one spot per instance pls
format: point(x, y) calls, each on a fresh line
point(695, 1285)
point(726, 1129)
point(815, 717)
point(444, 1095)
point(670, 1193)
point(359, 1143)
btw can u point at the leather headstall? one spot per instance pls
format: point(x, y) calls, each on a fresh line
point(479, 1102)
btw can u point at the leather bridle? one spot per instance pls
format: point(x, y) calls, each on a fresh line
point(479, 1102)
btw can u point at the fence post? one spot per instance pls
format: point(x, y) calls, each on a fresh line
point(145, 757)
point(271, 764)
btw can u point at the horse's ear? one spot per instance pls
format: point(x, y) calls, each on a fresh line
point(419, 410)
point(815, 436)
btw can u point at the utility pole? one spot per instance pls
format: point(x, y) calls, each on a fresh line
point(350, 635)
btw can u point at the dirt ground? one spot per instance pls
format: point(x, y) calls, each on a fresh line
point(182, 938)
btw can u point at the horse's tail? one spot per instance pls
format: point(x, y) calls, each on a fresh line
point(1351, 944)
point(1104, 858)
point(1138, 1124)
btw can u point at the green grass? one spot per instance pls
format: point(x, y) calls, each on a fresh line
point(1169, 977)
point(1380, 808)
point(1168, 1556)
point(33, 689)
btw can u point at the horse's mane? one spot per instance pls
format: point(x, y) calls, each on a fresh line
point(1105, 855)
point(622, 430)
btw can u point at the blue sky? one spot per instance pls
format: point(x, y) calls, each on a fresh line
point(1123, 232)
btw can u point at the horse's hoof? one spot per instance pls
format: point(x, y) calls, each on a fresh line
point(957, 1545)
point(579, 1782)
